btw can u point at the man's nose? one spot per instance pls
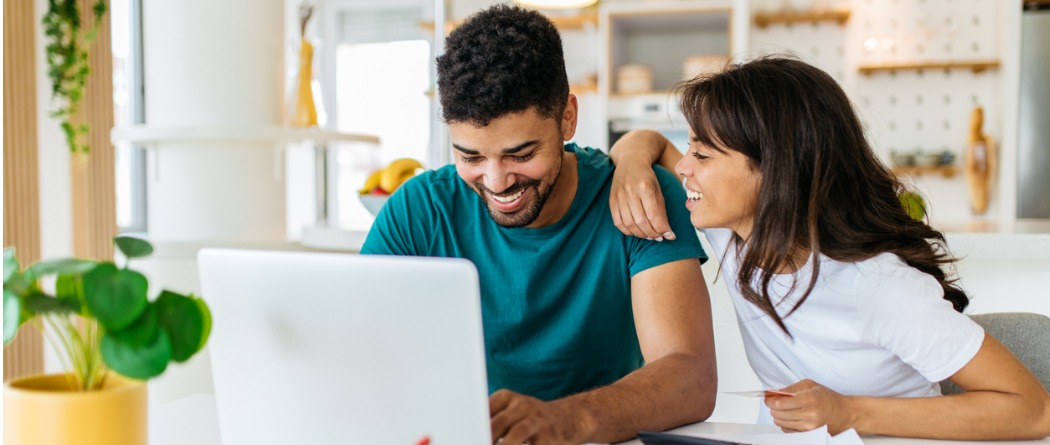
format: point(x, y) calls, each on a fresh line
point(498, 178)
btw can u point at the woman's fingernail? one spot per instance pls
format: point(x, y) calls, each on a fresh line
point(669, 235)
point(650, 239)
point(660, 239)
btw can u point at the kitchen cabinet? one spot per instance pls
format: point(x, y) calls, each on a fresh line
point(659, 37)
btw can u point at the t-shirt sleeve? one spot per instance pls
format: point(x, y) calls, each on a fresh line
point(905, 312)
point(398, 229)
point(646, 254)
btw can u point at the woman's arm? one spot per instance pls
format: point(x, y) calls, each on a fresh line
point(646, 147)
point(1003, 401)
point(635, 200)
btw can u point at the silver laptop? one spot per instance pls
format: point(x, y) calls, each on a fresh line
point(323, 348)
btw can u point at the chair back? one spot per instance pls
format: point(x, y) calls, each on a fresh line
point(1025, 334)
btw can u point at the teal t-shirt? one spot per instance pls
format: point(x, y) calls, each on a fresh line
point(556, 300)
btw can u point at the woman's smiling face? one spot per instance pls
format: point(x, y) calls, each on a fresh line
point(722, 187)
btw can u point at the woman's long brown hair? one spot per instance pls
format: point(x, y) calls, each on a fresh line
point(823, 190)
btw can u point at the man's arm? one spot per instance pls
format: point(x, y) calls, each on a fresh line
point(635, 200)
point(672, 312)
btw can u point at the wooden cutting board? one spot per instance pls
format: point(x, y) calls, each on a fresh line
point(981, 157)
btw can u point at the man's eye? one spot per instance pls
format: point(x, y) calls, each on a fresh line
point(471, 160)
point(523, 158)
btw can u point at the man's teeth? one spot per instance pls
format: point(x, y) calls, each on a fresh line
point(511, 198)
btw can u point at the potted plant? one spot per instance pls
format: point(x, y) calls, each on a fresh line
point(109, 336)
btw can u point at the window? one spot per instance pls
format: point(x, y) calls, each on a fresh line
point(128, 107)
point(382, 62)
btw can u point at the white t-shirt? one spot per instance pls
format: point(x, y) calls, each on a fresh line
point(877, 327)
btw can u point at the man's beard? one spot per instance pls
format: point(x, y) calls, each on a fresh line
point(524, 216)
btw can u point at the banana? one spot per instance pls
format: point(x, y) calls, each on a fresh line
point(371, 182)
point(397, 173)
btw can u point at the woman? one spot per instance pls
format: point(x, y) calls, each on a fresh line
point(842, 298)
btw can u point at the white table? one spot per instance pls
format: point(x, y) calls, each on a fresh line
point(193, 421)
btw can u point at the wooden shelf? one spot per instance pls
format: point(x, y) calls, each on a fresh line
point(840, 16)
point(581, 88)
point(563, 22)
point(976, 65)
point(915, 170)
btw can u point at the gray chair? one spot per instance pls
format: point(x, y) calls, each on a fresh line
point(1025, 334)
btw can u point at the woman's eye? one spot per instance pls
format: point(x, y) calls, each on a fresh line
point(700, 156)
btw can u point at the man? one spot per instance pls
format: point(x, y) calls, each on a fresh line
point(572, 308)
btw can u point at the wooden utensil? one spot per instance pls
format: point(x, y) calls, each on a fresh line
point(980, 162)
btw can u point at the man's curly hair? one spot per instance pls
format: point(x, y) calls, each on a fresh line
point(502, 60)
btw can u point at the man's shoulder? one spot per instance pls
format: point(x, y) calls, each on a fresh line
point(590, 157)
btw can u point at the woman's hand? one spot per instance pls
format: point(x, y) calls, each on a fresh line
point(636, 201)
point(812, 406)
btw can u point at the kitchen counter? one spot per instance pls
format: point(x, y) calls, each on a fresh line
point(994, 226)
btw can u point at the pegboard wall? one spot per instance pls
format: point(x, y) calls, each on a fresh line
point(821, 44)
point(907, 110)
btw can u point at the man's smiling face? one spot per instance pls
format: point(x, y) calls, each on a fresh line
point(513, 164)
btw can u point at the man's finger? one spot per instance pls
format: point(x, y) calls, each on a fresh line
point(520, 432)
point(501, 423)
point(499, 400)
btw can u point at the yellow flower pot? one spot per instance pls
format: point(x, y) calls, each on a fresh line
point(44, 410)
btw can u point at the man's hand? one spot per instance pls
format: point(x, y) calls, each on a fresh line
point(812, 406)
point(518, 419)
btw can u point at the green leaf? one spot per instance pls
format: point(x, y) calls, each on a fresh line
point(12, 315)
point(18, 284)
point(913, 204)
point(180, 316)
point(133, 247)
point(59, 266)
point(207, 320)
point(39, 303)
point(115, 297)
point(10, 264)
point(70, 291)
point(138, 362)
point(143, 331)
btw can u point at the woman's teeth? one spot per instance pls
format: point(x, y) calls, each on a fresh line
point(692, 195)
point(508, 199)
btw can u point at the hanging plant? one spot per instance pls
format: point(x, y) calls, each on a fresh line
point(67, 63)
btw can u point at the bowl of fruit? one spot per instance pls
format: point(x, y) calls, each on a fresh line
point(383, 182)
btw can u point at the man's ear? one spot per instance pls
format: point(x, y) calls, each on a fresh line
point(569, 117)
